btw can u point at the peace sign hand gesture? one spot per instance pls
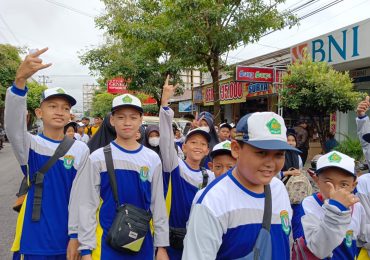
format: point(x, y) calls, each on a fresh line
point(31, 64)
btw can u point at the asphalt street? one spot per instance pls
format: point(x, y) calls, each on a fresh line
point(10, 178)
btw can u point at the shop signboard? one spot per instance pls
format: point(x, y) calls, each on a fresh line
point(254, 74)
point(117, 85)
point(230, 92)
point(258, 89)
point(343, 45)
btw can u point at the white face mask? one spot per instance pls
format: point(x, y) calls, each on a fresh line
point(154, 141)
point(205, 128)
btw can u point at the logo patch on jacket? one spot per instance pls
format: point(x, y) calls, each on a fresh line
point(68, 161)
point(144, 171)
point(349, 237)
point(285, 223)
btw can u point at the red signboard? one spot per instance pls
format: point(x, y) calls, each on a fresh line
point(117, 86)
point(254, 74)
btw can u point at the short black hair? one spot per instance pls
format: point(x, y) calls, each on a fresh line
point(85, 118)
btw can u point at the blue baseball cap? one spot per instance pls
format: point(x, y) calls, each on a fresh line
point(263, 130)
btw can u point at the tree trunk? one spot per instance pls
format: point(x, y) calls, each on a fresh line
point(321, 129)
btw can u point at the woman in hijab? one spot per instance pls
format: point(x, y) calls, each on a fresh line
point(105, 134)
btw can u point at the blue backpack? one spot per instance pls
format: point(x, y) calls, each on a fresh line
point(262, 249)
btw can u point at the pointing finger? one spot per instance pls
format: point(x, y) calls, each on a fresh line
point(167, 79)
point(367, 99)
point(39, 52)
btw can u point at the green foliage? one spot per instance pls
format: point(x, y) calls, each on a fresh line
point(351, 147)
point(102, 104)
point(34, 95)
point(9, 62)
point(315, 88)
point(148, 39)
point(151, 110)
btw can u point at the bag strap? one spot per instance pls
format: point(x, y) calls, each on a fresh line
point(61, 150)
point(205, 177)
point(267, 212)
point(110, 168)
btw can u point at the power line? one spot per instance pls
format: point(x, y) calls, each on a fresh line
point(335, 2)
point(9, 29)
point(70, 8)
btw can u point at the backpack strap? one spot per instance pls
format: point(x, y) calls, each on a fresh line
point(205, 177)
point(267, 211)
point(38, 181)
point(110, 169)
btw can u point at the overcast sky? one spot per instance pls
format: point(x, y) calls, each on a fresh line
point(67, 27)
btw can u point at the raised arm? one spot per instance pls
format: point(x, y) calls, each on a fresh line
point(166, 140)
point(16, 106)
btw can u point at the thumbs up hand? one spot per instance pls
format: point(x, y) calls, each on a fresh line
point(341, 195)
point(363, 106)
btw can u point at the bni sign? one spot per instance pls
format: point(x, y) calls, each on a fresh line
point(346, 44)
point(254, 74)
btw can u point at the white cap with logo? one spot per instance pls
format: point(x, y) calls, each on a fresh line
point(263, 130)
point(127, 100)
point(337, 160)
point(221, 148)
point(57, 92)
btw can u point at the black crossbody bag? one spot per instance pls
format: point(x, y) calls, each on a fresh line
point(131, 224)
point(177, 235)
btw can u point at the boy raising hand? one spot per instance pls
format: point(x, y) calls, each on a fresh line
point(182, 178)
point(42, 233)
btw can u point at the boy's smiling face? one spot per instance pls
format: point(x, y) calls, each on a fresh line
point(54, 112)
point(255, 166)
point(339, 178)
point(196, 147)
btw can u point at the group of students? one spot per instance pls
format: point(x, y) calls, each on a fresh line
point(124, 200)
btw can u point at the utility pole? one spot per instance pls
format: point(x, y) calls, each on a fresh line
point(43, 79)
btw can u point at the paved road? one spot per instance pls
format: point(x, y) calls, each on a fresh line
point(10, 178)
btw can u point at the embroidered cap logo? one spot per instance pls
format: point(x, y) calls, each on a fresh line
point(274, 127)
point(227, 145)
point(127, 99)
point(60, 91)
point(335, 158)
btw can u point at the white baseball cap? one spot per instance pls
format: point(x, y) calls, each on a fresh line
point(57, 92)
point(221, 148)
point(337, 160)
point(198, 130)
point(80, 124)
point(127, 100)
point(263, 130)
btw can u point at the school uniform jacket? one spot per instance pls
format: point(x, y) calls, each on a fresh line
point(227, 218)
point(49, 235)
point(330, 229)
point(139, 182)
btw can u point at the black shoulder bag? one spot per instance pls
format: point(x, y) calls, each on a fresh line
point(131, 224)
point(38, 180)
point(177, 235)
